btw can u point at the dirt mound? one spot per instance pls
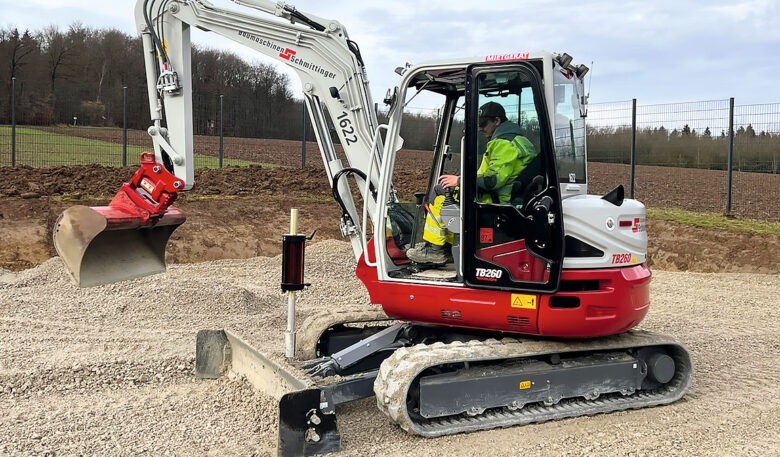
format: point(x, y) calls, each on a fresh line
point(101, 182)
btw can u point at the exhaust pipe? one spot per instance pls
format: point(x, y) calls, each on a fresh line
point(126, 239)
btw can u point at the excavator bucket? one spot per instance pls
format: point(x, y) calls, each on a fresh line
point(101, 245)
point(126, 239)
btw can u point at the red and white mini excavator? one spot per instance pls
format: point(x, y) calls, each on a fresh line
point(531, 320)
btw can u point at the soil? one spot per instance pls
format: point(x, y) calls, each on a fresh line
point(241, 212)
point(110, 370)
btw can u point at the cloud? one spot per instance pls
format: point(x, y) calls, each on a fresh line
point(660, 51)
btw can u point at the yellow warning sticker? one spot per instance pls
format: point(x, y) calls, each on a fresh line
point(523, 301)
point(146, 184)
point(525, 385)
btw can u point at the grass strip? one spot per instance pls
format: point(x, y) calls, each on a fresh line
point(714, 221)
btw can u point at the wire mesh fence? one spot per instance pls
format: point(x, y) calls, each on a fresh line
point(706, 155)
point(757, 138)
point(112, 133)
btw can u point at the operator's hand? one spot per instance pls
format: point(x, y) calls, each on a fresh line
point(448, 181)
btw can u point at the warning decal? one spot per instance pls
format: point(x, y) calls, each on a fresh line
point(485, 235)
point(523, 301)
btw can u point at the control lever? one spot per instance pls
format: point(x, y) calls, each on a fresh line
point(542, 221)
point(537, 184)
point(418, 197)
point(449, 198)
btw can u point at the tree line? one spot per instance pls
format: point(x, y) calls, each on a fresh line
point(685, 147)
point(78, 75)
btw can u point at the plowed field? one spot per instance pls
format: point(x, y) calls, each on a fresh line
point(110, 370)
point(240, 212)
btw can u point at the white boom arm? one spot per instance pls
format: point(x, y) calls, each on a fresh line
point(330, 67)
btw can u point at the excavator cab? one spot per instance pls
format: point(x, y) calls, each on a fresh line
point(514, 235)
point(510, 238)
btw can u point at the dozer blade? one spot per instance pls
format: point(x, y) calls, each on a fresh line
point(105, 244)
point(307, 422)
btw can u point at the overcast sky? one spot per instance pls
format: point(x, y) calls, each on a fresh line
point(657, 51)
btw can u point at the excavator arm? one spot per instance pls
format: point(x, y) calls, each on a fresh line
point(319, 50)
point(127, 238)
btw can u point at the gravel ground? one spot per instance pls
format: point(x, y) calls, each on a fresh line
point(109, 370)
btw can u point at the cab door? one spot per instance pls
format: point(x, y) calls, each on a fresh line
point(512, 236)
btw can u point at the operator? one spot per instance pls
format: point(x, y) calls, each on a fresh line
point(508, 154)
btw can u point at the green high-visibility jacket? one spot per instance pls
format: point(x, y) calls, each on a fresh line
point(508, 154)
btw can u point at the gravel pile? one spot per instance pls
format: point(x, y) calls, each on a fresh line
point(110, 371)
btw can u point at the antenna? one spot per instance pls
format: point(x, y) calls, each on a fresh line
point(591, 78)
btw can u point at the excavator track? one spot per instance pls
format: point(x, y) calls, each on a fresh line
point(315, 326)
point(399, 373)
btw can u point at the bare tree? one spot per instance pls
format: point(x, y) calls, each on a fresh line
point(56, 49)
point(17, 50)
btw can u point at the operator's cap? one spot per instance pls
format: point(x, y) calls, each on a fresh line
point(491, 110)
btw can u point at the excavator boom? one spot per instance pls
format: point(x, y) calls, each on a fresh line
point(127, 238)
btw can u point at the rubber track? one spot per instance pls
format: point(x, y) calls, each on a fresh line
point(312, 328)
point(399, 371)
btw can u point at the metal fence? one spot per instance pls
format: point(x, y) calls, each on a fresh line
point(709, 155)
point(700, 156)
point(113, 132)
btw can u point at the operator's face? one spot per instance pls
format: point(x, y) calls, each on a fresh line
point(489, 127)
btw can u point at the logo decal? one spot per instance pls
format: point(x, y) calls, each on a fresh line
point(287, 53)
point(638, 225)
point(504, 57)
point(619, 259)
point(489, 274)
point(610, 224)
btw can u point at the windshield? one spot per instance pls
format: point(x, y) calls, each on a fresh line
point(512, 90)
point(569, 127)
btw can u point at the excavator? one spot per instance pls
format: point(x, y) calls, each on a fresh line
point(531, 319)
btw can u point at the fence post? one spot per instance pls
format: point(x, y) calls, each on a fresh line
point(303, 141)
point(124, 126)
point(730, 167)
point(221, 131)
point(13, 121)
point(633, 149)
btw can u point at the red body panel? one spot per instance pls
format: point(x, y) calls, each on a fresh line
point(515, 257)
point(619, 303)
